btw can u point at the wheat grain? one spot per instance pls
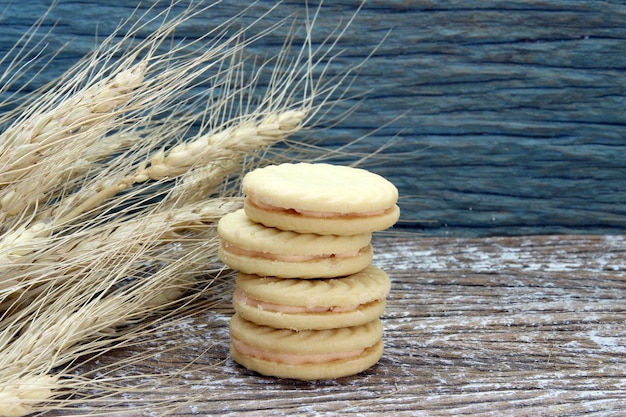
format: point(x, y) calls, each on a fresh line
point(234, 142)
point(70, 119)
point(21, 240)
point(156, 231)
point(246, 137)
point(77, 322)
point(19, 397)
point(73, 126)
point(25, 143)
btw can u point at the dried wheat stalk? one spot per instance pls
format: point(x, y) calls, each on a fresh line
point(110, 200)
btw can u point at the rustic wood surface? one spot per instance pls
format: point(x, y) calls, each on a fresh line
point(507, 326)
point(513, 112)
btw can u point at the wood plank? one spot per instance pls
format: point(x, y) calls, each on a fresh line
point(512, 326)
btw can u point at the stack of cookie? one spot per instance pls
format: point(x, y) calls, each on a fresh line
point(307, 298)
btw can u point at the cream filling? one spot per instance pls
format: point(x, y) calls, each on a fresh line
point(317, 214)
point(240, 297)
point(286, 258)
point(290, 358)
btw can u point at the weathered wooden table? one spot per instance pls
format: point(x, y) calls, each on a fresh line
point(493, 326)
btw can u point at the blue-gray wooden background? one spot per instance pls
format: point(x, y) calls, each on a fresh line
point(513, 116)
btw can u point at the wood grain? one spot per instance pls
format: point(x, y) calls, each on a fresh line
point(513, 326)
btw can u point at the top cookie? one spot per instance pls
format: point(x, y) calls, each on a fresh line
point(320, 198)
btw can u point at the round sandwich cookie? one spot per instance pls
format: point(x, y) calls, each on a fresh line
point(320, 198)
point(255, 249)
point(305, 355)
point(316, 304)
